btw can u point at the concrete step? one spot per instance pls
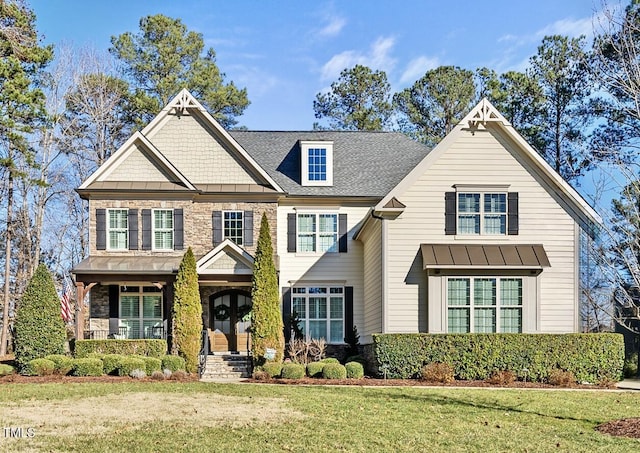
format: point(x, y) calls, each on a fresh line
point(226, 367)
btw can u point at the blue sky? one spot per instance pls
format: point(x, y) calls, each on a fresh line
point(285, 52)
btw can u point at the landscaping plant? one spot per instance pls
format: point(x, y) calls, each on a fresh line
point(187, 313)
point(39, 329)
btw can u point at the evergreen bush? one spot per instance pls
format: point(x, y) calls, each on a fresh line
point(173, 363)
point(98, 348)
point(355, 370)
point(64, 364)
point(266, 321)
point(330, 360)
point(292, 371)
point(6, 370)
point(314, 369)
point(187, 313)
point(39, 329)
point(128, 364)
point(39, 367)
point(151, 365)
point(87, 367)
point(111, 363)
point(334, 371)
point(591, 358)
point(274, 369)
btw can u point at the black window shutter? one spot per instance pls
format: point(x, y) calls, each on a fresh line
point(286, 312)
point(247, 226)
point(512, 213)
point(450, 213)
point(216, 219)
point(101, 229)
point(348, 314)
point(291, 232)
point(178, 229)
point(342, 233)
point(146, 229)
point(133, 229)
point(114, 308)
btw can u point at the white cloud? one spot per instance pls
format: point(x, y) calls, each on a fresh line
point(568, 27)
point(377, 58)
point(333, 28)
point(418, 67)
point(257, 82)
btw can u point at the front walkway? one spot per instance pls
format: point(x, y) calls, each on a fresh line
point(629, 384)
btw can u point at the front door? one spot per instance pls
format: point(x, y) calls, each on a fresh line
point(229, 321)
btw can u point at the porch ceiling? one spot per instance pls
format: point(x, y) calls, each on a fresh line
point(508, 256)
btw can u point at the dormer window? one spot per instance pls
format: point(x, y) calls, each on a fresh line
point(317, 163)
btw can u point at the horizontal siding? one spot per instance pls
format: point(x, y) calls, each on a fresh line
point(481, 159)
point(328, 267)
point(372, 283)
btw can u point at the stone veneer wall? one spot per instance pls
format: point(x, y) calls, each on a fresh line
point(198, 228)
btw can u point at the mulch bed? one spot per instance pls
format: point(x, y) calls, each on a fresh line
point(626, 427)
point(56, 378)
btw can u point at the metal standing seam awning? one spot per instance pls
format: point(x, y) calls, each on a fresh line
point(487, 256)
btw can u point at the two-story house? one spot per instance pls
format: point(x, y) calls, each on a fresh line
point(370, 229)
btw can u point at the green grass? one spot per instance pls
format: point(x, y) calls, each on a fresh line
point(321, 418)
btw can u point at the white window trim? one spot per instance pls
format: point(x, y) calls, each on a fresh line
point(317, 213)
point(108, 230)
point(140, 318)
point(497, 191)
point(153, 230)
point(472, 305)
point(305, 146)
point(305, 321)
point(224, 236)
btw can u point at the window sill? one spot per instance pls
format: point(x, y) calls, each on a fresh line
point(481, 237)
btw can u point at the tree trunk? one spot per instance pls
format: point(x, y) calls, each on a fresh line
point(4, 337)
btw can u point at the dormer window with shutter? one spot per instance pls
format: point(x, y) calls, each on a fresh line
point(317, 163)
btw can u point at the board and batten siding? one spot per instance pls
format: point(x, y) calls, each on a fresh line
point(372, 249)
point(483, 158)
point(316, 268)
point(194, 150)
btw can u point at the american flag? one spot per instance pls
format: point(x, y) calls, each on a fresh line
point(65, 301)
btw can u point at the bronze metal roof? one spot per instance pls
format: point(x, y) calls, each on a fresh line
point(525, 256)
point(128, 265)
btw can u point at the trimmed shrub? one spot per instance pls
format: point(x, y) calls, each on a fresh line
point(274, 369)
point(39, 367)
point(93, 355)
point(438, 372)
point(87, 367)
point(631, 366)
point(502, 377)
point(148, 348)
point(111, 363)
point(266, 318)
point(292, 371)
point(6, 370)
point(355, 370)
point(151, 365)
point(128, 364)
point(39, 329)
point(334, 371)
point(64, 364)
point(330, 360)
point(172, 363)
point(561, 378)
point(590, 357)
point(314, 369)
point(187, 313)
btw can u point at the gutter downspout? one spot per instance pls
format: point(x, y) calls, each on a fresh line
point(383, 273)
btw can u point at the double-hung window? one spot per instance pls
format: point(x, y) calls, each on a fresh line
point(233, 226)
point(141, 311)
point(482, 213)
point(163, 229)
point(484, 304)
point(117, 229)
point(317, 232)
point(320, 310)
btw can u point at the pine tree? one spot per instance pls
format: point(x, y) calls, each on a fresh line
point(267, 326)
point(39, 327)
point(187, 313)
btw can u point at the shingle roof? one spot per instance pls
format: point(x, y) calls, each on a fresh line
point(364, 163)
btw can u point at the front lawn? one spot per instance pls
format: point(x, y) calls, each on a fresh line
point(194, 416)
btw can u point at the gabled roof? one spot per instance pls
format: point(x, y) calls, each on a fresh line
point(366, 164)
point(120, 156)
point(487, 115)
point(226, 258)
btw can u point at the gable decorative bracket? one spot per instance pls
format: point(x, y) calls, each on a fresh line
point(484, 113)
point(183, 101)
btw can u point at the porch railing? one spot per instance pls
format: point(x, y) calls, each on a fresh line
point(204, 352)
point(126, 333)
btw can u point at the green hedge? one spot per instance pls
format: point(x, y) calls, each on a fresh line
point(333, 370)
point(590, 357)
point(128, 364)
point(39, 367)
point(314, 369)
point(149, 348)
point(111, 363)
point(292, 371)
point(355, 370)
point(64, 364)
point(6, 370)
point(152, 364)
point(87, 367)
point(173, 363)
